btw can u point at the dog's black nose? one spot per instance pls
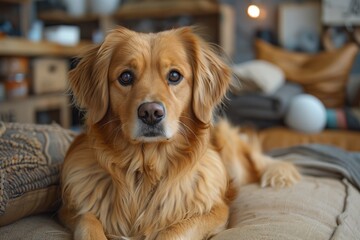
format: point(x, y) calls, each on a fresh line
point(151, 113)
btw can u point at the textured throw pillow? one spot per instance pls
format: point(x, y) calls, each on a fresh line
point(30, 160)
point(323, 75)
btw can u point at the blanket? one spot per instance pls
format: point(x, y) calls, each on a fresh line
point(262, 106)
point(346, 118)
point(323, 161)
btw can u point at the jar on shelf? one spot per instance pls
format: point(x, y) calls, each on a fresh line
point(14, 65)
point(14, 72)
point(16, 85)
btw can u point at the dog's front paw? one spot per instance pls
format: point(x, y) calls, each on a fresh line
point(90, 235)
point(280, 175)
point(89, 228)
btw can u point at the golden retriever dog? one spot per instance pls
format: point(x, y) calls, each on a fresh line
point(152, 164)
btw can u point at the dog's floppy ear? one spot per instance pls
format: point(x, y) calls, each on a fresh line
point(89, 80)
point(211, 75)
point(88, 83)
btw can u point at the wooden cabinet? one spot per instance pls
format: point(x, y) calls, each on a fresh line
point(33, 108)
point(44, 109)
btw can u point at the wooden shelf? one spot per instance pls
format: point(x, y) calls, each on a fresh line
point(130, 11)
point(138, 10)
point(15, 1)
point(63, 17)
point(11, 46)
point(166, 9)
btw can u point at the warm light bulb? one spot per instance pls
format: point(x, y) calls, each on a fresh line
point(253, 11)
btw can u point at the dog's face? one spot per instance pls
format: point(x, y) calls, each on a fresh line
point(150, 82)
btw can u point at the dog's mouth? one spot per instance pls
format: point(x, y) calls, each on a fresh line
point(154, 133)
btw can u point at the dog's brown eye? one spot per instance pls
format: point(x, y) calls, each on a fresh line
point(174, 77)
point(126, 78)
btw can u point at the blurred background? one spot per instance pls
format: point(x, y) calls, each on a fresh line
point(40, 38)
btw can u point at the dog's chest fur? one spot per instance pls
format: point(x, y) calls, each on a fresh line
point(135, 193)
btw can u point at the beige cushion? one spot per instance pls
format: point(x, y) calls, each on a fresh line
point(38, 227)
point(316, 208)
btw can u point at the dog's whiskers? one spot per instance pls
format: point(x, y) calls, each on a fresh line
point(108, 122)
point(118, 130)
point(188, 118)
point(188, 129)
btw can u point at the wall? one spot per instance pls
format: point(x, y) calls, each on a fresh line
point(247, 27)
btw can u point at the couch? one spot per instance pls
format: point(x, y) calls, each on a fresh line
point(325, 207)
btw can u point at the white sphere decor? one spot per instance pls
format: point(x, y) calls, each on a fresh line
point(306, 113)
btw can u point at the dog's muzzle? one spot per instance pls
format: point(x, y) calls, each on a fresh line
point(151, 114)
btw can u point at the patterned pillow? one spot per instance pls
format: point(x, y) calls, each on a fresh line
point(30, 160)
